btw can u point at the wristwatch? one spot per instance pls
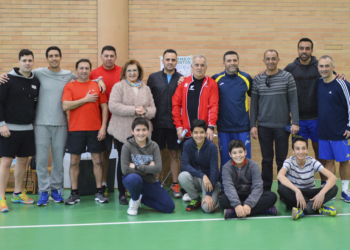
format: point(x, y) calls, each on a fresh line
point(211, 127)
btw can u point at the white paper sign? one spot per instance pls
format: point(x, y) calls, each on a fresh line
point(183, 65)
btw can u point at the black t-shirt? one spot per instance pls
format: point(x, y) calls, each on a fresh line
point(193, 95)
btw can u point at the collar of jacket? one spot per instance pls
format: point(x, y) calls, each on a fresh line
point(163, 73)
point(205, 144)
point(206, 78)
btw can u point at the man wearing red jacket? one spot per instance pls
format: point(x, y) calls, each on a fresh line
point(197, 97)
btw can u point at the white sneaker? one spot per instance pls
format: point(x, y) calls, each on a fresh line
point(134, 206)
point(186, 198)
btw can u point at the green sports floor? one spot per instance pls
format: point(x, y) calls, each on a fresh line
point(90, 225)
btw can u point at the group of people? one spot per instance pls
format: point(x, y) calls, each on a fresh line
point(307, 99)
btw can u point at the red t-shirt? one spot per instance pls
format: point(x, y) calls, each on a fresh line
point(88, 116)
point(110, 77)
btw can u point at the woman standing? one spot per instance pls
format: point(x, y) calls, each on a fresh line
point(129, 99)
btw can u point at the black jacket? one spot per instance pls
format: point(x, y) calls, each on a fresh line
point(306, 78)
point(18, 98)
point(162, 94)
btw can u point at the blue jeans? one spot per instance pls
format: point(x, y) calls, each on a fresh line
point(153, 194)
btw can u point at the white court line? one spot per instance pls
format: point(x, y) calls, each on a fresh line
point(149, 222)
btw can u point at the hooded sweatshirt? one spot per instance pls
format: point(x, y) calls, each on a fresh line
point(18, 99)
point(141, 157)
point(245, 180)
point(306, 79)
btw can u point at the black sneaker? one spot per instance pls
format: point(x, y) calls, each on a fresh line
point(123, 200)
point(101, 198)
point(73, 198)
point(194, 205)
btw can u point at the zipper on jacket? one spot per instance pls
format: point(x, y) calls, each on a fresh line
point(198, 161)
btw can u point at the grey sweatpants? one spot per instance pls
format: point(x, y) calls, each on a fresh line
point(194, 185)
point(56, 138)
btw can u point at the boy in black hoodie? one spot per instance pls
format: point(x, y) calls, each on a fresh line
point(141, 162)
point(18, 99)
point(244, 195)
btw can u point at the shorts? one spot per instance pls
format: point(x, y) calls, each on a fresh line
point(79, 140)
point(165, 137)
point(334, 150)
point(18, 144)
point(108, 141)
point(308, 129)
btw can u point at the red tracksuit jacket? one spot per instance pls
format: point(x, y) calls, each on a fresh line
point(208, 107)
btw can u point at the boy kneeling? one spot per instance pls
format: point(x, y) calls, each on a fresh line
point(199, 164)
point(141, 162)
point(243, 186)
point(297, 188)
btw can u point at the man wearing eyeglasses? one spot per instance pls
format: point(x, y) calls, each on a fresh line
point(163, 85)
point(274, 98)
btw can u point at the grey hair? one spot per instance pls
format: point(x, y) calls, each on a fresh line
point(326, 57)
point(200, 56)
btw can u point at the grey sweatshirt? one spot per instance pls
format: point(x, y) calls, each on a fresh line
point(271, 106)
point(132, 153)
point(49, 109)
point(242, 181)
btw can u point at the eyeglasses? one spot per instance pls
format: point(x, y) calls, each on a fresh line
point(267, 81)
point(131, 70)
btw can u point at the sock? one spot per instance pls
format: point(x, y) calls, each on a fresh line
point(17, 193)
point(175, 183)
point(345, 185)
point(99, 190)
point(104, 184)
point(75, 191)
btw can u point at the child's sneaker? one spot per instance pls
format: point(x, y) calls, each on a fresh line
point(44, 199)
point(134, 206)
point(271, 211)
point(332, 211)
point(194, 205)
point(3, 205)
point(230, 214)
point(175, 188)
point(127, 193)
point(186, 198)
point(345, 196)
point(55, 195)
point(297, 213)
point(22, 198)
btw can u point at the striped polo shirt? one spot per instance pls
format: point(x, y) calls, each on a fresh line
point(302, 177)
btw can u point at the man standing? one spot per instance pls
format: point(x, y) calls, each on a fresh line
point(85, 103)
point(233, 120)
point(305, 72)
point(197, 97)
point(18, 99)
point(274, 97)
point(163, 85)
point(110, 74)
point(334, 122)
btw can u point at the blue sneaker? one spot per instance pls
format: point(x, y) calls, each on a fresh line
point(230, 214)
point(270, 211)
point(44, 199)
point(345, 196)
point(56, 196)
point(297, 213)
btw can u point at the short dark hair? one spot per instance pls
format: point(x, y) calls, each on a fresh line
point(198, 123)
point(108, 47)
point(139, 121)
point(299, 138)
point(83, 60)
point(132, 62)
point(235, 144)
point(169, 51)
point(270, 50)
point(306, 40)
point(25, 52)
point(231, 52)
point(53, 48)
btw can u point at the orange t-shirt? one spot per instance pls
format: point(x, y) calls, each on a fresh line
point(88, 116)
